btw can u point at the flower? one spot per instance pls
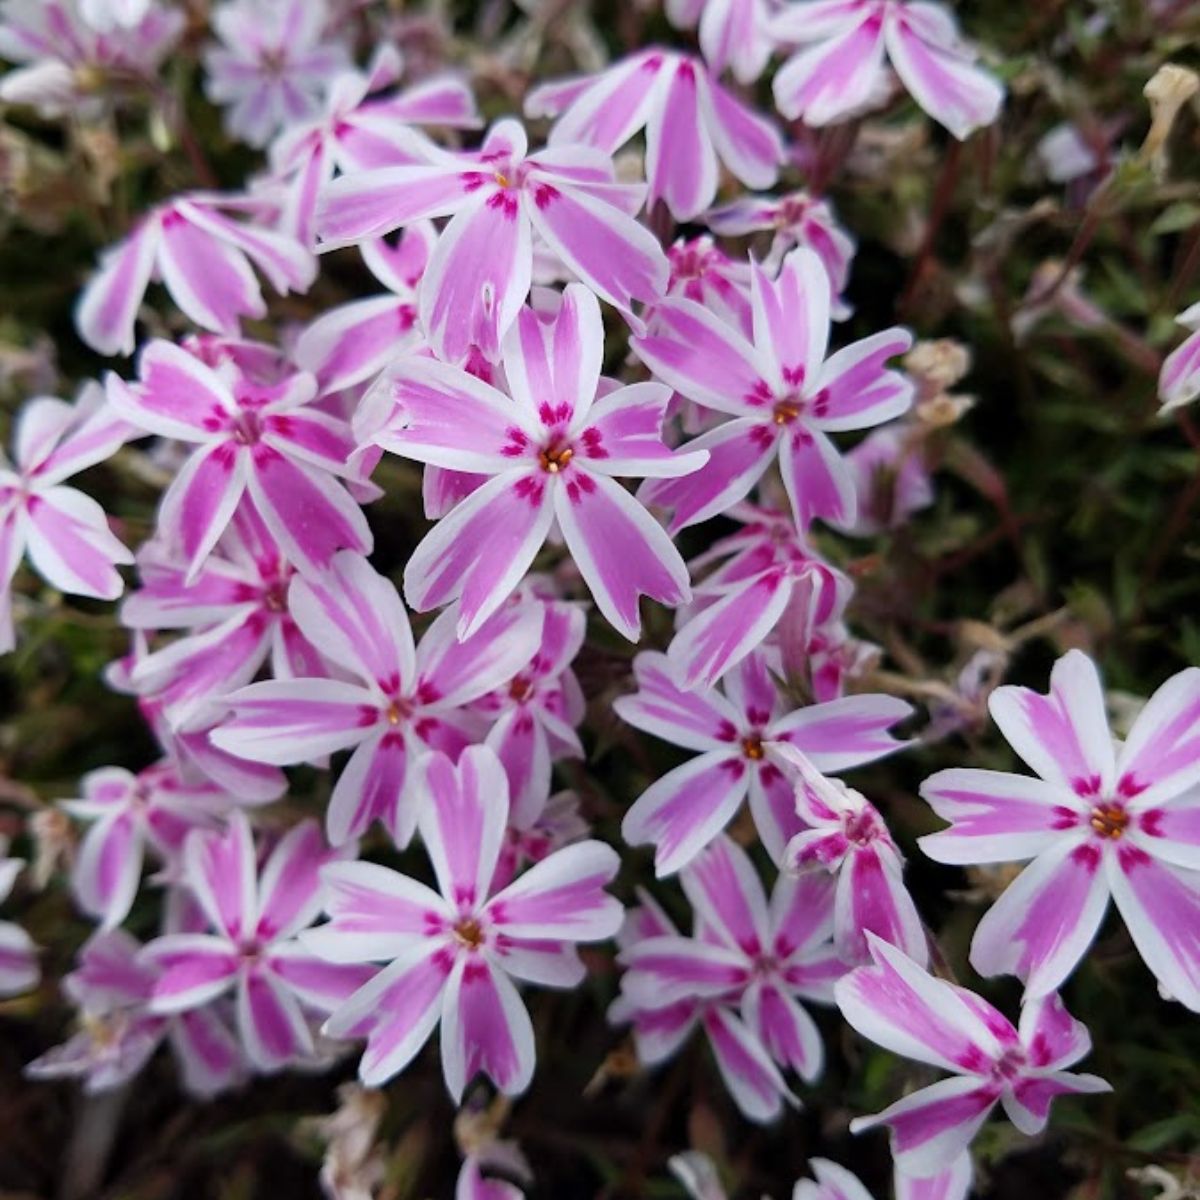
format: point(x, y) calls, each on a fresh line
point(273, 64)
point(480, 270)
point(256, 441)
point(203, 257)
point(899, 1006)
point(1099, 822)
point(64, 532)
point(784, 395)
point(846, 836)
point(452, 957)
point(839, 69)
point(891, 480)
point(18, 955)
point(741, 735)
point(252, 950)
point(390, 701)
point(733, 33)
point(156, 808)
point(703, 272)
point(553, 450)
point(1179, 380)
point(761, 958)
point(690, 120)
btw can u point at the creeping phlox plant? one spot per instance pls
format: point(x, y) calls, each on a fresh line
point(497, 593)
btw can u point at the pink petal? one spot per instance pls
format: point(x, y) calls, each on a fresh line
point(752, 1079)
point(271, 1025)
point(70, 545)
point(1161, 756)
point(210, 281)
point(662, 971)
point(747, 143)
point(221, 871)
point(193, 969)
point(108, 868)
point(319, 986)
point(872, 898)
point(844, 733)
point(789, 1034)
point(603, 111)
point(519, 741)
point(834, 78)
point(108, 306)
point(791, 319)
point(376, 784)
point(681, 165)
point(201, 500)
point(289, 896)
point(855, 388)
point(369, 204)
point(817, 480)
point(954, 1183)
point(727, 896)
point(354, 342)
point(179, 396)
point(623, 435)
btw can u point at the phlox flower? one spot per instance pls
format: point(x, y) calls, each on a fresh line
point(784, 395)
point(845, 835)
point(541, 830)
point(353, 342)
point(554, 450)
point(703, 272)
point(690, 120)
point(391, 702)
point(830, 1181)
point(796, 219)
point(111, 986)
point(751, 1076)
point(733, 33)
point(898, 1005)
point(130, 814)
point(891, 480)
point(1100, 820)
point(203, 257)
point(840, 67)
point(360, 129)
point(251, 949)
point(18, 955)
point(762, 957)
point(768, 579)
point(64, 532)
point(1179, 380)
point(453, 954)
point(234, 615)
point(272, 65)
point(256, 442)
point(479, 273)
point(64, 47)
point(741, 734)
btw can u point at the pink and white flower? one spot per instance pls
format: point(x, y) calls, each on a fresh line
point(19, 971)
point(763, 958)
point(453, 957)
point(783, 394)
point(554, 450)
point(252, 950)
point(153, 810)
point(392, 702)
point(839, 69)
point(691, 122)
point(891, 480)
point(479, 273)
point(733, 33)
point(701, 271)
point(741, 734)
point(261, 443)
point(845, 836)
point(64, 532)
point(1179, 380)
point(1100, 820)
point(273, 64)
point(203, 257)
point(898, 1005)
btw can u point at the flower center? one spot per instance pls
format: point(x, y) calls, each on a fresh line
point(752, 747)
point(520, 688)
point(786, 411)
point(470, 933)
point(1109, 820)
point(556, 458)
point(1010, 1064)
point(247, 428)
point(502, 179)
point(396, 711)
point(859, 827)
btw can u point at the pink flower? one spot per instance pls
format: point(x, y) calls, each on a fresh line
point(19, 970)
point(771, 580)
point(391, 703)
point(659, 1031)
point(154, 809)
point(273, 64)
point(539, 832)
point(1099, 821)
point(733, 33)
point(361, 129)
point(256, 442)
point(64, 532)
point(797, 219)
point(352, 343)
point(453, 957)
point(252, 950)
point(690, 120)
point(840, 68)
point(703, 272)
point(897, 1005)
point(784, 395)
point(741, 736)
point(846, 836)
point(890, 480)
point(480, 271)
point(1179, 380)
point(553, 451)
point(203, 257)
point(762, 958)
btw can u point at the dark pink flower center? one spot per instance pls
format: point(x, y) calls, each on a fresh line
point(1109, 820)
point(556, 457)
